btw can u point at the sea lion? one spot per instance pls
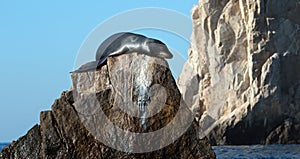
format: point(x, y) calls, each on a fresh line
point(126, 42)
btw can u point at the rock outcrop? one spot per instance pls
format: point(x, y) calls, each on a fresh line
point(242, 74)
point(129, 108)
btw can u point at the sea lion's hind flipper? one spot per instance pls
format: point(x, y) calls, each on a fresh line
point(90, 66)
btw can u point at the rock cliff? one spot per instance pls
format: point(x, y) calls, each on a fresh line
point(242, 74)
point(129, 108)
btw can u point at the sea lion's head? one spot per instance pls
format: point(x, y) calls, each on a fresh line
point(159, 48)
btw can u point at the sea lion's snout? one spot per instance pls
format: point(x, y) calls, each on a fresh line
point(167, 55)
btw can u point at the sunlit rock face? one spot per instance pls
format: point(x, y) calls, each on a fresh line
point(138, 106)
point(129, 108)
point(242, 74)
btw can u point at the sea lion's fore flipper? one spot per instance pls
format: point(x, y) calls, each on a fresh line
point(122, 50)
point(101, 61)
point(117, 52)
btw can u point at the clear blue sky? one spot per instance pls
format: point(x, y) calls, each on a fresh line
point(39, 42)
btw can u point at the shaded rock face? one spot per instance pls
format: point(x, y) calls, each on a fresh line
point(107, 111)
point(242, 74)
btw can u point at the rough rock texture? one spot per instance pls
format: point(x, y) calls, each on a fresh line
point(242, 74)
point(125, 91)
point(27, 146)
